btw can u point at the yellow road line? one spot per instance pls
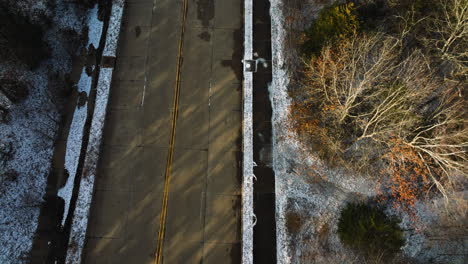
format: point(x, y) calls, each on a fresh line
point(162, 221)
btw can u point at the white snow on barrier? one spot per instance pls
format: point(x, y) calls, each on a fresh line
point(74, 143)
point(75, 135)
point(85, 193)
point(248, 163)
point(83, 203)
point(113, 31)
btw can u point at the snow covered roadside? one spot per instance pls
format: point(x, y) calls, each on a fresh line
point(75, 136)
point(83, 204)
point(279, 100)
point(31, 131)
point(247, 142)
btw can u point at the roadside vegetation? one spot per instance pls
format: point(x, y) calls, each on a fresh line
point(334, 23)
point(390, 100)
point(382, 93)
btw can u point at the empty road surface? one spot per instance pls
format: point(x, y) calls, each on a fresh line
point(168, 187)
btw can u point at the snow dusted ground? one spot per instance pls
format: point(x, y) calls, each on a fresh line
point(31, 132)
point(75, 136)
point(113, 32)
point(35, 10)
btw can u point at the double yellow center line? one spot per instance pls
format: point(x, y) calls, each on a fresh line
point(163, 215)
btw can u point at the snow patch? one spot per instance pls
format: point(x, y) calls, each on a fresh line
point(31, 130)
point(279, 101)
point(68, 17)
point(94, 27)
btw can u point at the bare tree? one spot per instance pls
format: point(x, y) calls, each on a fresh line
point(445, 139)
point(369, 87)
point(342, 75)
point(20, 40)
point(364, 81)
point(448, 33)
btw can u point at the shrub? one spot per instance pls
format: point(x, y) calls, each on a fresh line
point(14, 89)
point(20, 40)
point(369, 230)
point(408, 174)
point(336, 22)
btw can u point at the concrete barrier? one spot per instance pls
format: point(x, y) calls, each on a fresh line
point(247, 142)
point(86, 187)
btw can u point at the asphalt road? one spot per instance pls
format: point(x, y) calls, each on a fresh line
point(168, 187)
